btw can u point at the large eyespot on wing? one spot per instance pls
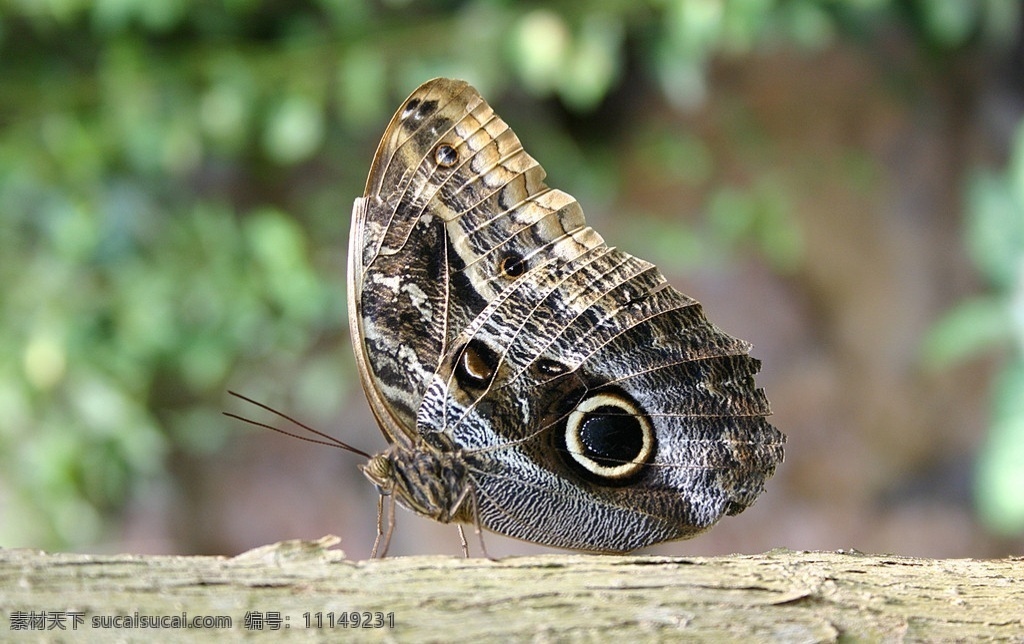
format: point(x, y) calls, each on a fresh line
point(590, 338)
point(546, 330)
point(608, 438)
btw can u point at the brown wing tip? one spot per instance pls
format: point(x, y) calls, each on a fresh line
point(436, 89)
point(441, 85)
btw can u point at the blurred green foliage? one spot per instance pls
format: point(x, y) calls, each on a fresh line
point(995, 240)
point(175, 179)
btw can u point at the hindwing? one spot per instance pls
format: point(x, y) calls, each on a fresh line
point(589, 404)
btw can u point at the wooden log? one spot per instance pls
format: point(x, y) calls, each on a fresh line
point(315, 592)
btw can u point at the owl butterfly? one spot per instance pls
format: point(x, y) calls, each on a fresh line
point(530, 379)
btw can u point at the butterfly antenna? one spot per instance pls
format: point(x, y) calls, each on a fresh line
point(328, 440)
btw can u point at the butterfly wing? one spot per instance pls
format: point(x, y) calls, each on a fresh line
point(611, 417)
point(593, 404)
point(400, 273)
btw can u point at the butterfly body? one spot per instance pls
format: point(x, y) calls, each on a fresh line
point(528, 377)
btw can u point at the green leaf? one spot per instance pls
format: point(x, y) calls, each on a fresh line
point(593, 65)
point(294, 129)
point(1000, 481)
point(966, 331)
point(281, 251)
point(995, 227)
point(539, 44)
point(362, 86)
point(950, 22)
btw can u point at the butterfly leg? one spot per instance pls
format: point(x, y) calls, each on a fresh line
point(476, 528)
point(380, 526)
point(383, 537)
point(462, 539)
point(391, 526)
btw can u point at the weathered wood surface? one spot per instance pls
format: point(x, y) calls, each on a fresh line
point(781, 596)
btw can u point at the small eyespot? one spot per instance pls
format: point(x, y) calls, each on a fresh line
point(445, 155)
point(551, 368)
point(475, 365)
point(416, 110)
point(409, 108)
point(609, 436)
point(511, 265)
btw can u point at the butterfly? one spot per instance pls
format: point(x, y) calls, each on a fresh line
point(530, 379)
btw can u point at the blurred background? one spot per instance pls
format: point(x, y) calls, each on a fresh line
point(841, 183)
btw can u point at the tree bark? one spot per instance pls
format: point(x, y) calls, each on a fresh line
point(777, 596)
